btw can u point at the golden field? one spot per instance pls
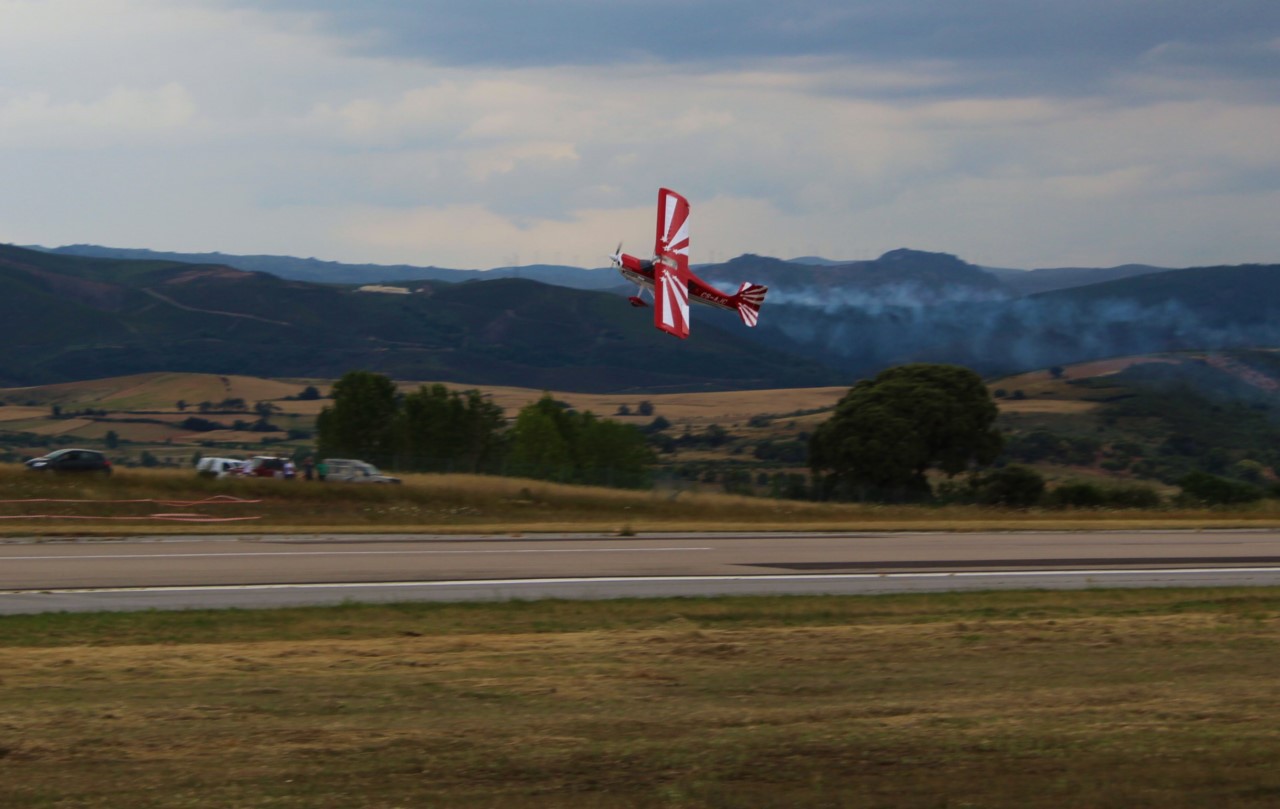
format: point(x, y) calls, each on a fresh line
point(142, 410)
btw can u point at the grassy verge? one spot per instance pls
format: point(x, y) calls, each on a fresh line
point(476, 504)
point(1104, 698)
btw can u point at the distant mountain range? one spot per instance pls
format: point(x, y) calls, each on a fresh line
point(785, 274)
point(824, 322)
point(333, 272)
point(65, 317)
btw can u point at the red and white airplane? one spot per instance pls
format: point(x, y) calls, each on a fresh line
point(673, 284)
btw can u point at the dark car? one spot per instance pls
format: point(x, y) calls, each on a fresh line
point(71, 460)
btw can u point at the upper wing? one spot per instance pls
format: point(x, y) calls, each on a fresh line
point(671, 265)
point(673, 227)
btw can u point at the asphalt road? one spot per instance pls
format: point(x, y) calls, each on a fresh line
point(268, 571)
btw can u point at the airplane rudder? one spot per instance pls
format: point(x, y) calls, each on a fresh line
point(749, 298)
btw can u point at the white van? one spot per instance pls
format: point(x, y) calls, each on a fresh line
point(218, 467)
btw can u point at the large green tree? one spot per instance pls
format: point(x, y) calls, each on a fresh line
point(439, 430)
point(888, 432)
point(541, 442)
point(553, 442)
point(361, 421)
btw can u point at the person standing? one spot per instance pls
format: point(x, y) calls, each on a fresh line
point(322, 469)
point(308, 468)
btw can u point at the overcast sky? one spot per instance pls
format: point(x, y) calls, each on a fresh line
point(480, 133)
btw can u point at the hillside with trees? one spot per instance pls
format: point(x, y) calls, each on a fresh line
point(67, 318)
point(825, 323)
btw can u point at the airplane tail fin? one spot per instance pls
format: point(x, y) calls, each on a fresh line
point(749, 299)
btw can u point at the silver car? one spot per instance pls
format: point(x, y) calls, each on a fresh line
point(218, 467)
point(349, 470)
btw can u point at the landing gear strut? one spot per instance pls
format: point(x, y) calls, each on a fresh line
point(638, 299)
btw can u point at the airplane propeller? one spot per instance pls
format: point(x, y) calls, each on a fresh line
point(616, 258)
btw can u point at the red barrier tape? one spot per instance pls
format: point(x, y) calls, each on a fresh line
point(169, 517)
point(216, 500)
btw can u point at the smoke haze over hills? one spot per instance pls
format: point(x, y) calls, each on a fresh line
point(859, 317)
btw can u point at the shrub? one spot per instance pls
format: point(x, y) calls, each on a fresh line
point(658, 424)
point(1016, 486)
point(1216, 491)
point(196, 424)
point(1248, 470)
point(1134, 497)
point(784, 451)
point(1090, 495)
point(1078, 495)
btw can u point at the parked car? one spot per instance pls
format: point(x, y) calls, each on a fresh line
point(266, 466)
point(218, 467)
point(71, 460)
point(349, 470)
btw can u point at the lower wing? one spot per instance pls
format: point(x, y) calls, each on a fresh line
point(671, 299)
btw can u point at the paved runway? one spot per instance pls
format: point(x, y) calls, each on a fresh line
point(266, 571)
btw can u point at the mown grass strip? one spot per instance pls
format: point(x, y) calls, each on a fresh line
point(1148, 698)
point(368, 621)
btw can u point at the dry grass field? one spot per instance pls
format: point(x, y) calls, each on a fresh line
point(142, 410)
point(1099, 699)
point(1044, 383)
point(31, 504)
point(741, 440)
point(727, 407)
point(151, 391)
point(1053, 406)
point(160, 392)
point(21, 413)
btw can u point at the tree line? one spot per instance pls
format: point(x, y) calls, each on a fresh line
point(885, 442)
point(434, 429)
point(888, 432)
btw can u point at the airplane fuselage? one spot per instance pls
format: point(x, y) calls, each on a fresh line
point(669, 280)
point(640, 272)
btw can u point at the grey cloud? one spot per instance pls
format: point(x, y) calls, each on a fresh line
point(1256, 59)
point(1001, 46)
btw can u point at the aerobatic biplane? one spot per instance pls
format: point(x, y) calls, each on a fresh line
point(668, 277)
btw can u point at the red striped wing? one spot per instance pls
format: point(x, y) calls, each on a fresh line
point(673, 227)
point(671, 299)
point(671, 269)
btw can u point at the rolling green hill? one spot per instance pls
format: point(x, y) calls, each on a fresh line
point(65, 318)
point(1153, 417)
